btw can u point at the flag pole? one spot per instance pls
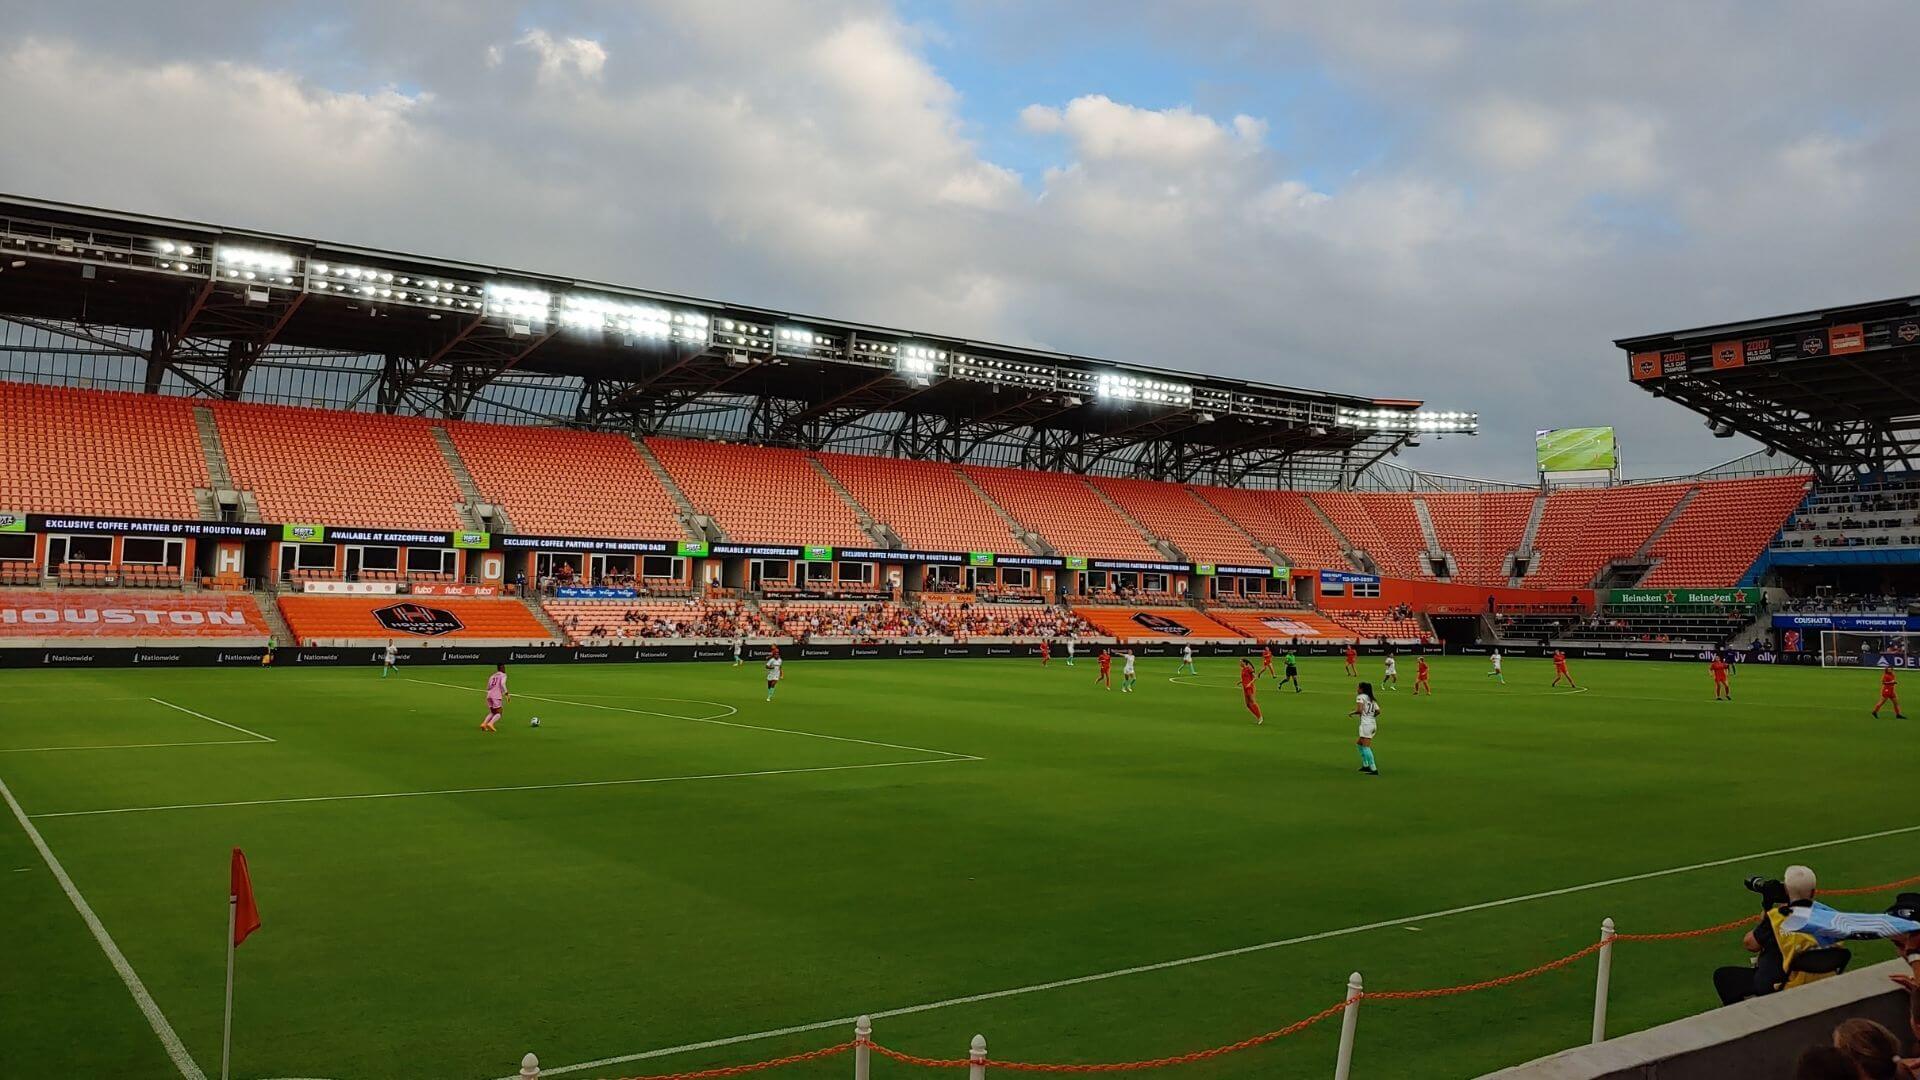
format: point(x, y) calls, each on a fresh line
point(226, 1026)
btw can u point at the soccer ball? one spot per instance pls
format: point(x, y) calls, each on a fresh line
point(535, 722)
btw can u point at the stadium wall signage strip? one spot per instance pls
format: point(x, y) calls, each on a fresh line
point(238, 656)
point(1868, 623)
point(1682, 597)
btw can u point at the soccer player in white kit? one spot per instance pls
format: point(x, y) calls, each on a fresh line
point(1069, 652)
point(739, 643)
point(390, 660)
point(1390, 679)
point(1126, 673)
point(773, 672)
point(1368, 710)
point(1495, 672)
point(1186, 660)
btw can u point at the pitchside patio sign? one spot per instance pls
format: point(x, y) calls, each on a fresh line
point(1682, 597)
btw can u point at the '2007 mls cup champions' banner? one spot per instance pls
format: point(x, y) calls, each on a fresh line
point(130, 615)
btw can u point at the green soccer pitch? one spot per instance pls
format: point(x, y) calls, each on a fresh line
point(1575, 449)
point(670, 860)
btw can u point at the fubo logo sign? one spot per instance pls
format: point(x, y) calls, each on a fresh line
point(12, 522)
point(303, 534)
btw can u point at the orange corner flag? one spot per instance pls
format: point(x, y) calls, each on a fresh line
point(246, 914)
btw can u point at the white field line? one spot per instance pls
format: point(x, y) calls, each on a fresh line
point(130, 746)
point(510, 787)
point(715, 720)
point(176, 1049)
point(1163, 965)
point(211, 720)
point(1234, 683)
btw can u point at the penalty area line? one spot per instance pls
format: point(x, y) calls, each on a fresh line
point(169, 1039)
point(130, 746)
point(211, 720)
point(1223, 954)
point(508, 787)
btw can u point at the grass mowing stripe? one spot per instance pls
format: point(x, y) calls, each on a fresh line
point(484, 790)
point(131, 746)
point(715, 720)
point(156, 1019)
point(211, 720)
point(1163, 965)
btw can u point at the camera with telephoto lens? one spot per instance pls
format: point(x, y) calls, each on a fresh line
point(1773, 893)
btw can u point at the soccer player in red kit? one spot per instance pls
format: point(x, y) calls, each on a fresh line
point(1105, 678)
point(1046, 652)
point(1248, 679)
point(1721, 690)
point(1560, 669)
point(1353, 657)
point(1420, 678)
point(1266, 661)
point(1887, 682)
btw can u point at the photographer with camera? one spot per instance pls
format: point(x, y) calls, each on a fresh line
point(1797, 941)
point(1767, 973)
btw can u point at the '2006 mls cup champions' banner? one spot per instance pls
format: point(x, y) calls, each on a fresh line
point(131, 615)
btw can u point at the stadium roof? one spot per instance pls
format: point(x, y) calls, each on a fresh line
point(1832, 387)
point(204, 305)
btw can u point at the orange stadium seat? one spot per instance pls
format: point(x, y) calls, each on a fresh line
point(1283, 519)
point(1378, 624)
point(1479, 529)
point(1171, 512)
point(1121, 623)
point(569, 483)
point(1066, 511)
point(339, 468)
point(333, 618)
point(1582, 529)
point(98, 452)
point(926, 502)
point(1723, 530)
point(1396, 547)
point(1282, 625)
point(760, 495)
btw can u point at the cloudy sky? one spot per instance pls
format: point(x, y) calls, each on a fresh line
point(1461, 202)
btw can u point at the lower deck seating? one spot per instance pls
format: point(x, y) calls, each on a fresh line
point(336, 618)
point(603, 620)
point(1379, 624)
point(1283, 625)
point(1153, 624)
point(91, 614)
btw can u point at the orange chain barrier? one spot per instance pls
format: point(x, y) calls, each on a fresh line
point(738, 1070)
point(1257, 1040)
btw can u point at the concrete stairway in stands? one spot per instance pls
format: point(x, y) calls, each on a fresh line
point(1165, 547)
point(474, 507)
point(1360, 561)
point(1527, 537)
point(1034, 541)
point(880, 531)
point(698, 526)
point(219, 473)
point(1434, 553)
point(1274, 554)
point(1661, 529)
point(545, 620)
point(270, 611)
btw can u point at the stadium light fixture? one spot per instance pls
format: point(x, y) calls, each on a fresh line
point(1409, 420)
point(254, 263)
point(1120, 387)
point(920, 360)
point(518, 302)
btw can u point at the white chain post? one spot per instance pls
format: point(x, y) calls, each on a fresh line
point(977, 1056)
point(1349, 1019)
point(863, 1048)
point(529, 1068)
point(1601, 981)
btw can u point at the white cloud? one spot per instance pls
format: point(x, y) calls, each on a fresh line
point(563, 57)
point(1102, 129)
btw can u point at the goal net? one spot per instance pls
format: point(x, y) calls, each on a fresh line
point(1858, 648)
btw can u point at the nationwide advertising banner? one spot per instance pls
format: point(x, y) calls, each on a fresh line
point(1580, 449)
point(1677, 597)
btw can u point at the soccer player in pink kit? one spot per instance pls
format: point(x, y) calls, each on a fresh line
point(496, 697)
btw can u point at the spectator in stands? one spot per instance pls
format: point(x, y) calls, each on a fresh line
point(1872, 1050)
point(1824, 1063)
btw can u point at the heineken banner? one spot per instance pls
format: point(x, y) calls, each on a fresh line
point(1681, 597)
